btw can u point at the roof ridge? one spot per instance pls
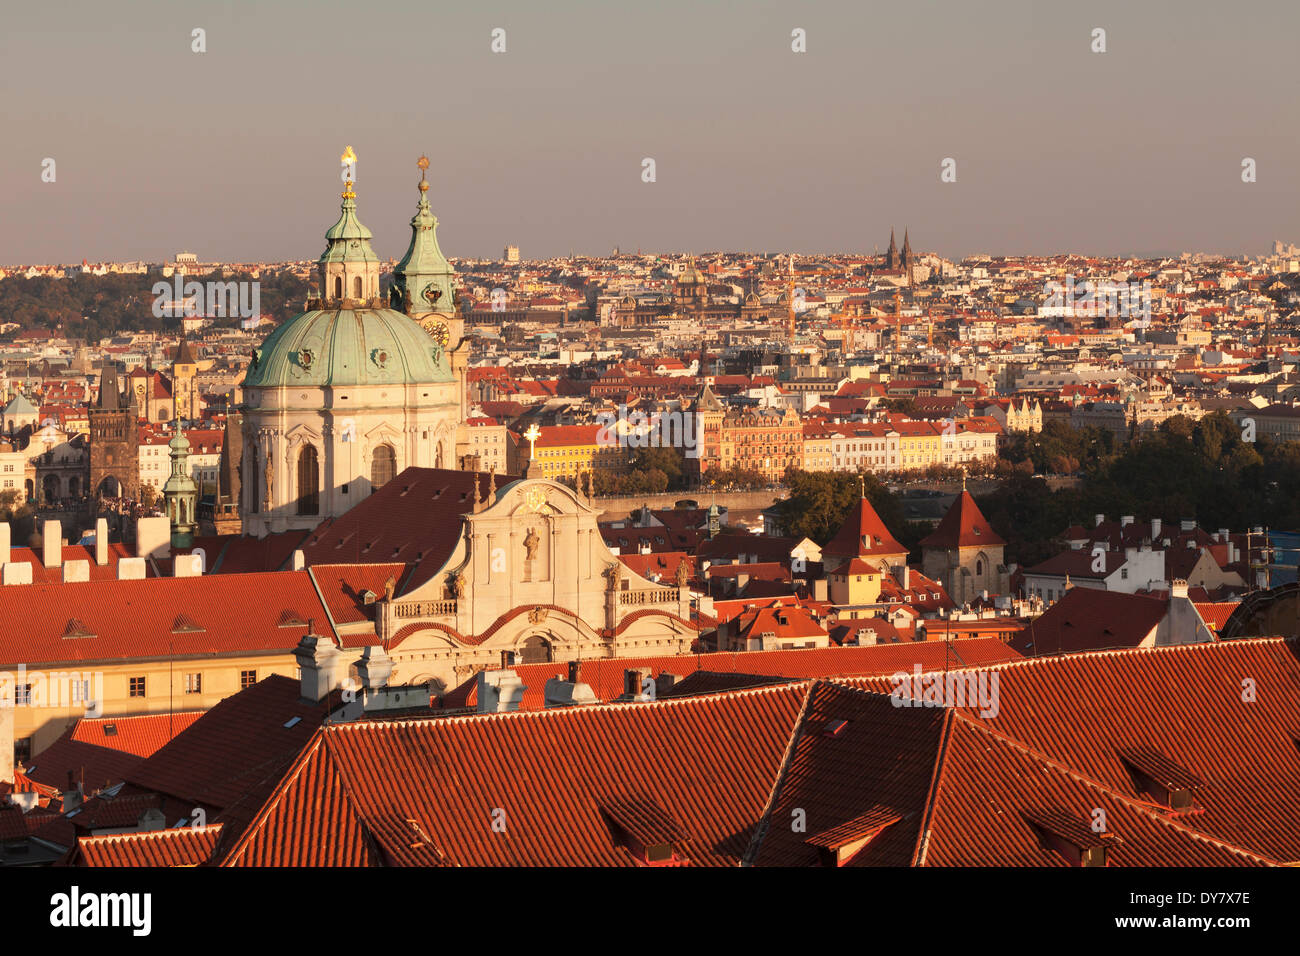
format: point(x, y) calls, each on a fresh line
point(273, 798)
point(922, 846)
point(764, 819)
point(432, 719)
point(147, 834)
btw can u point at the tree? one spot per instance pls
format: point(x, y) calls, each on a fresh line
point(820, 501)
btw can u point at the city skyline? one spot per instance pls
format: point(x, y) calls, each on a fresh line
point(1133, 152)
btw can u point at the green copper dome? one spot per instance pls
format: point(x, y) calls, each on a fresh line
point(348, 347)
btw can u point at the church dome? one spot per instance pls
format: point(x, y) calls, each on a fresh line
point(338, 347)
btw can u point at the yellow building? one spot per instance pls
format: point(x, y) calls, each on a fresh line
point(920, 444)
point(568, 451)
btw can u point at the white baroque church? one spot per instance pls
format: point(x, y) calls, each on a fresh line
point(342, 397)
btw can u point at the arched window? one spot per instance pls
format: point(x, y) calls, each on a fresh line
point(74, 487)
point(382, 467)
point(536, 651)
point(356, 287)
point(437, 462)
point(250, 483)
point(308, 481)
point(338, 287)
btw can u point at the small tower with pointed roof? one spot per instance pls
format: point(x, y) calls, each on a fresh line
point(185, 397)
point(964, 553)
point(181, 492)
point(891, 255)
point(859, 557)
point(348, 269)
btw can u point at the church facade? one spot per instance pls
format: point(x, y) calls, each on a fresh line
point(344, 396)
point(525, 578)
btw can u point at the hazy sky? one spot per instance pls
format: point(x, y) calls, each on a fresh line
point(234, 153)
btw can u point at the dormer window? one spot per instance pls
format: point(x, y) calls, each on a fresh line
point(1160, 778)
point(839, 845)
point(648, 831)
point(1070, 836)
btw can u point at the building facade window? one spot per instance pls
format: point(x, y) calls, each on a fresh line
point(137, 687)
point(247, 679)
point(383, 466)
point(308, 481)
point(193, 683)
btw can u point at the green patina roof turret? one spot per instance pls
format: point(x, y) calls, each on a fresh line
point(180, 492)
point(349, 240)
point(424, 280)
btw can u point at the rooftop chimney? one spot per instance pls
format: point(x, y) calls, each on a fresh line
point(1125, 521)
point(52, 543)
point(153, 537)
point(1100, 519)
point(374, 668)
point(318, 659)
point(499, 691)
point(131, 569)
point(1155, 529)
point(101, 541)
point(1187, 524)
point(563, 693)
point(1178, 588)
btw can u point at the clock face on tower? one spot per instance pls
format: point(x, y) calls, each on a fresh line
point(438, 330)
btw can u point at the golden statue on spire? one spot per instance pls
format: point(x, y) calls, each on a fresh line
point(349, 161)
point(423, 163)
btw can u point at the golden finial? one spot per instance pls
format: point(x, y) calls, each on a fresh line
point(348, 159)
point(423, 163)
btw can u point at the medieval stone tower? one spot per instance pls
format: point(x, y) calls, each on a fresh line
point(114, 441)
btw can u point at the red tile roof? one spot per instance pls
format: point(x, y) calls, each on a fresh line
point(964, 526)
point(414, 519)
point(863, 534)
point(115, 620)
point(183, 846)
point(100, 752)
point(342, 586)
point(1089, 619)
point(427, 793)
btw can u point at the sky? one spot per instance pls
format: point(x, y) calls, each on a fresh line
point(233, 153)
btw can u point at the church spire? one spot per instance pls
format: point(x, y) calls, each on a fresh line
point(348, 268)
point(891, 255)
point(423, 280)
point(180, 492)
